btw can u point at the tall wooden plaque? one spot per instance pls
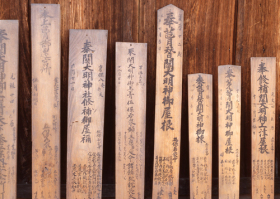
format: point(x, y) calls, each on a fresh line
point(86, 99)
point(131, 78)
point(200, 134)
point(45, 38)
point(168, 102)
point(263, 82)
point(229, 86)
point(8, 107)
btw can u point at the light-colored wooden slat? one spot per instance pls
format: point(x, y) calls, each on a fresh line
point(170, 20)
point(9, 55)
point(131, 78)
point(86, 101)
point(200, 134)
point(263, 83)
point(229, 94)
point(45, 39)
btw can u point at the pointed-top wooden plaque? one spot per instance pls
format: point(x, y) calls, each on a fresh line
point(263, 87)
point(200, 134)
point(45, 38)
point(170, 20)
point(86, 99)
point(229, 90)
point(8, 107)
point(131, 78)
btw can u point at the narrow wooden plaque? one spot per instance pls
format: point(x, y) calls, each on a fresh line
point(263, 82)
point(86, 99)
point(8, 107)
point(200, 134)
point(168, 102)
point(131, 78)
point(45, 38)
point(229, 90)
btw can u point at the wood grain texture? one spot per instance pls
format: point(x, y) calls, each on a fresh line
point(168, 102)
point(257, 36)
point(215, 33)
point(45, 37)
point(9, 54)
point(229, 90)
point(263, 83)
point(131, 78)
point(200, 102)
point(87, 77)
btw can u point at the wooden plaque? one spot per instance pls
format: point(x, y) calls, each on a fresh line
point(86, 99)
point(229, 90)
point(263, 82)
point(45, 38)
point(131, 78)
point(200, 134)
point(8, 107)
point(170, 20)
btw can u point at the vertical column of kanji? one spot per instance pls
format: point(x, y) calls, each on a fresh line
point(8, 107)
point(86, 100)
point(200, 134)
point(45, 38)
point(131, 78)
point(263, 83)
point(229, 90)
point(168, 102)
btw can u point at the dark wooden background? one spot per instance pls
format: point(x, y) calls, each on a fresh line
point(216, 32)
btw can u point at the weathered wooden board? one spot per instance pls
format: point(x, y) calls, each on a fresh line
point(200, 90)
point(45, 39)
point(131, 70)
point(263, 83)
point(86, 99)
point(9, 56)
point(168, 102)
point(229, 90)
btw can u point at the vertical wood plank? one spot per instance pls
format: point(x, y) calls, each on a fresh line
point(209, 41)
point(168, 102)
point(263, 83)
point(86, 98)
point(200, 90)
point(131, 70)
point(45, 38)
point(229, 90)
point(257, 36)
point(18, 9)
point(9, 55)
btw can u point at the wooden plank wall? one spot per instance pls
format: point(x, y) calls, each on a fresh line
point(216, 32)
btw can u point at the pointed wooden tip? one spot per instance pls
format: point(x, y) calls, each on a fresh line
point(170, 6)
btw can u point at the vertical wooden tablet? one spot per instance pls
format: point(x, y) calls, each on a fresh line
point(8, 107)
point(131, 73)
point(168, 102)
point(229, 93)
point(86, 99)
point(263, 82)
point(45, 38)
point(200, 134)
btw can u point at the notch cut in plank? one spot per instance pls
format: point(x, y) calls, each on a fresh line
point(200, 99)
point(45, 38)
point(263, 87)
point(86, 104)
point(170, 20)
point(9, 56)
point(131, 78)
point(229, 93)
